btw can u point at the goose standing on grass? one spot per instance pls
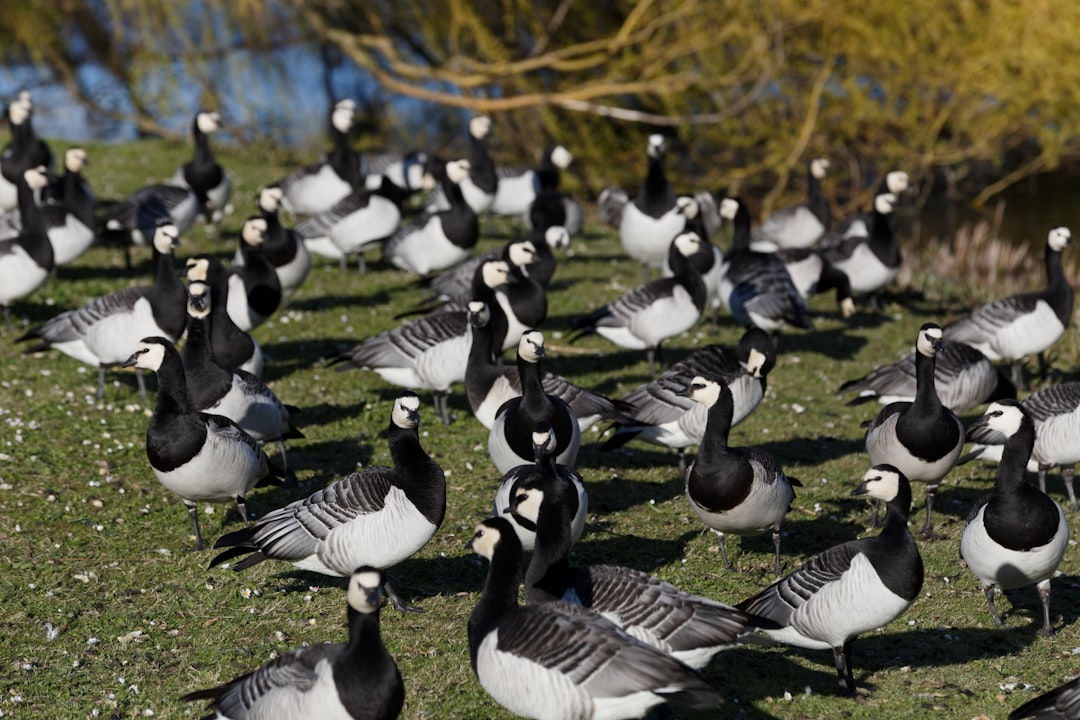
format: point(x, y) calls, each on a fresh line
point(489, 384)
point(200, 457)
point(203, 174)
point(872, 261)
point(734, 491)
point(1055, 411)
point(663, 414)
point(254, 288)
point(1015, 535)
point(238, 395)
point(126, 221)
point(442, 239)
point(315, 188)
point(922, 438)
point(232, 347)
point(106, 330)
point(404, 169)
point(377, 516)
point(755, 287)
point(1025, 324)
point(650, 221)
point(27, 259)
point(1061, 703)
point(510, 438)
point(642, 318)
point(282, 246)
point(851, 588)
point(358, 679)
point(963, 376)
point(26, 150)
point(518, 188)
point(430, 352)
point(543, 473)
point(356, 223)
point(556, 660)
point(896, 182)
point(481, 183)
point(690, 628)
point(798, 226)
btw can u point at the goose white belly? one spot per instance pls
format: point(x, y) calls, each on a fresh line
point(9, 195)
point(427, 250)
point(114, 338)
point(866, 271)
point(1028, 334)
point(77, 349)
point(1056, 440)
point(364, 229)
point(514, 327)
point(666, 318)
point(514, 195)
point(239, 311)
point(799, 228)
point(857, 602)
point(479, 200)
point(217, 198)
point(1005, 568)
point(647, 239)
point(223, 470)
point(320, 700)
point(315, 192)
point(621, 336)
point(19, 275)
point(500, 392)
point(437, 368)
point(293, 273)
point(259, 415)
point(884, 447)
point(70, 241)
point(323, 246)
point(762, 509)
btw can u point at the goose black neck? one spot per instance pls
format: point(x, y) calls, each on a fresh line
point(172, 396)
point(1059, 294)
point(207, 382)
point(164, 272)
point(686, 272)
point(898, 511)
point(481, 165)
point(883, 240)
point(926, 395)
point(534, 400)
point(33, 237)
point(717, 429)
point(816, 200)
point(548, 573)
point(342, 159)
point(75, 197)
point(1014, 459)
point(740, 239)
point(500, 593)
point(656, 182)
point(203, 153)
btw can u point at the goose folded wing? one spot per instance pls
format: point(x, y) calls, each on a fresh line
point(989, 319)
point(400, 346)
point(630, 303)
point(319, 225)
point(1053, 401)
point(785, 596)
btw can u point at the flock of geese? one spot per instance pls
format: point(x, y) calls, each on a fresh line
point(602, 641)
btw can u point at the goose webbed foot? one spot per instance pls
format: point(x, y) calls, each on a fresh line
point(397, 602)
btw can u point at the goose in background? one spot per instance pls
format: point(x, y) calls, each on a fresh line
point(238, 395)
point(519, 187)
point(543, 473)
point(963, 376)
point(125, 222)
point(25, 151)
point(406, 170)
point(315, 188)
point(642, 318)
point(377, 516)
point(489, 384)
point(108, 329)
point(690, 628)
point(851, 588)
point(443, 238)
point(812, 274)
point(430, 352)
point(510, 437)
point(254, 288)
point(197, 456)
point(709, 259)
point(233, 348)
point(896, 182)
point(203, 174)
point(921, 438)
point(358, 679)
point(1019, 325)
point(356, 223)
point(282, 246)
point(664, 415)
point(734, 491)
point(1015, 535)
point(1055, 412)
point(755, 287)
point(557, 660)
point(872, 261)
point(26, 259)
point(797, 226)
point(1061, 703)
point(481, 181)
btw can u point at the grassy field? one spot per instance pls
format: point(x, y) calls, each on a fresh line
point(108, 612)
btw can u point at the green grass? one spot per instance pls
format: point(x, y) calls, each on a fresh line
point(94, 548)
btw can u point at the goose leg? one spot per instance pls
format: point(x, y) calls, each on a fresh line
point(442, 407)
point(342, 263)
point(1042, 476)
point(776, 547)
point(723, 550)
point(142, 382)
point(1018, 375)
point(842, 657)
point(290, 476)
point(193, 513)
point(241, 507)
point(1044, 596)
point(7, 319)
point(101, 383)
point(681, 452)
point(396, 601)
point(650, 357)
point(928, 526)
point(361, 263)
point(1067, 477)
point(989, 592)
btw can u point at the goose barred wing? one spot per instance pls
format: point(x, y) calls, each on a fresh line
point(582, 401)
point(1054, 400)
point(400, 346)
point(224, 429)
point(988, 320)
point(319, 225)
point(781, 599)
point(1061, 703)
point(611, 202)
point(630, 303)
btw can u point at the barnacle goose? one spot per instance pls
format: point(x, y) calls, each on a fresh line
point(26, 150)
point(922, 438)
point(851, 588)
point(232, 347)
point(430, 352)
point(1015, 535)
point(106, 330)
point(872, 261)
point(1055, 411)
point(556, 660)
point(650, 221)
point(203, 174)
point(1019, 325)
point(735, 491)
point(377, 516)
point(198, 456)
point(238, 395)
point(896, 182)
point(708, 260)
point(356, 223)
point(406, 170)
point(543, 472)
point(664, 415)
point(811, 274)
point(128, 219)
point(519, 187)
point(443, 238)
point(358, 679)
point(315, 188)
point(510, 437)
point(1061, 703)
point(963, 376)
point(690, 628)
point(481, 183)
point(642, 318)
point(254, 288)
point(755, 287)
point(26, 259)
point(282, 246)
point(798, 226)
point(489, 384)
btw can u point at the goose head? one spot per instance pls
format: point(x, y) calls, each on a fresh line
point(198, 268)
point(557, 236)
point(198, 304)
point(208, 121)
point(495, 273)
point(687, 243)
point(75, 159)
point(819, 168)
point(365, 590)
point(687, 206)
point(253, 231)
point(897, 182)
point(406, 412)
point(36, 177)
point(479, 313)
point(343, 115)
point(490, 535)
point(457, 170)
point(656, 146)
point(149, 354)
point(885, 203)
point(166, 237)
point(521, 253)
point(729, 207)
point(561, 157)
point(480, 127)
point(1003, 416)
point(705, 390)
point(531, 346)
point(270, 198)
point(928, 342)
point(1059, 238)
